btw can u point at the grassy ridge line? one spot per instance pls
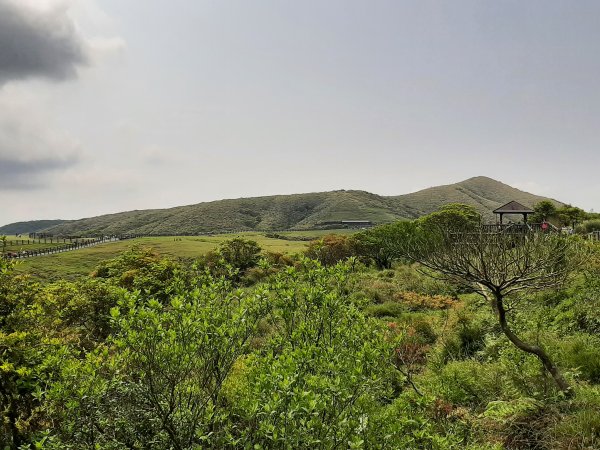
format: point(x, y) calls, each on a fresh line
point(299, 211)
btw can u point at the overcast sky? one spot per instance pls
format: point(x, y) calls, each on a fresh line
point(112, 105)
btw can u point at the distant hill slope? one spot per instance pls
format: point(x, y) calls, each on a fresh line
point(299, 211)
point(31, 226)
point(483, 193)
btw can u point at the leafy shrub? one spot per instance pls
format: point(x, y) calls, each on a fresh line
point(467, 383)
point(416, 301)
point(158, 381)
point(411, 278)
point(408, 423)
point(330, 249)
point(579, 427)
point(320, 375)
point(588, 226)
point(140, 268)
point(239, 253)
point(377, 290)
point(582, 352)
point(466, 339)
point(387, 309)
point(278, 259)
point(424, 330)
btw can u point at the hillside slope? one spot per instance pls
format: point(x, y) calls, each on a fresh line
point(31, 226)
point(299, 211)
point(483, 193)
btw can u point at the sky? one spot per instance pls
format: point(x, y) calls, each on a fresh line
point(114, 105)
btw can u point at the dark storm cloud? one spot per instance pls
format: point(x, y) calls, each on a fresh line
point(31, 174)
point(37, 43)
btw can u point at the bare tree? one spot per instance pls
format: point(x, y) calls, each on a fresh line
point(498, 265)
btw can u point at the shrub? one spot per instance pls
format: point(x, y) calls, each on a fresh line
point(465, 340)
point(467, 383)
point(330, 250)
point(588, 226)
point(580, 427)
point(582, 352)
point(416, 301)
point(387, 309)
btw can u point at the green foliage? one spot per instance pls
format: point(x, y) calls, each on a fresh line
point(570, 215)
point(544, 211)
point(289, 353)
point(164, 368)
point(467, 383)
point(28, 360)
point(331, 249)
point(384, 244)
point(140, 268)
point(77, 312)
point(234, 259)
point(387, 309)
point(240, 253)
point(582, 353)
point(588, 226)
point(323, 371)
point(579, 426)
point(467, 339)
point(454, 216)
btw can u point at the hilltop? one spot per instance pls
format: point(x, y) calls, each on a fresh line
point(298, 211)
point(485, 194)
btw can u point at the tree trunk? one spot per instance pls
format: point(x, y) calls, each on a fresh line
point(533, 349)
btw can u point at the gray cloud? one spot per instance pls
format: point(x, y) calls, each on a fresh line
point(15, 174)
point(38, 42)
point(31, 150)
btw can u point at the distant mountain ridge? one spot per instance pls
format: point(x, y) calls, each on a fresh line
point(298, 211)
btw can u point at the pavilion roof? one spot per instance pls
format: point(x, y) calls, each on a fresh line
point(514, 208)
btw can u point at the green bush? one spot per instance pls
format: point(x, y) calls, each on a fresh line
point(582, 353)
point(588, 226)
point(579, 427)
point(387, 309)
point(467, 383)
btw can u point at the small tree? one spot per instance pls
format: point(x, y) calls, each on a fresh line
point(383, 244)
point(240, 253)
point(498, 266)
point(571, 215)
point(453, 216)
point(544, 211)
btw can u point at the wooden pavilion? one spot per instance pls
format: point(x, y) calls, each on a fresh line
point(513, 208)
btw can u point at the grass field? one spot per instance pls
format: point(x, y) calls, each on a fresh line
point(17, 244)
point(73, 264)
point(315, 233)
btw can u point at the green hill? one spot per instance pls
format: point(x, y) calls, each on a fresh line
point(299, 211)
point(31, 226)
point(483, 193)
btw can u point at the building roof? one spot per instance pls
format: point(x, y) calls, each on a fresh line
point(513, 208)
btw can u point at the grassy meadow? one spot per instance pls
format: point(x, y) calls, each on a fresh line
point(16, 243)
point(73, 264)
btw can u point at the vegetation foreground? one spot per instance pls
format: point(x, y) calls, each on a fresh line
point(413, 335)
